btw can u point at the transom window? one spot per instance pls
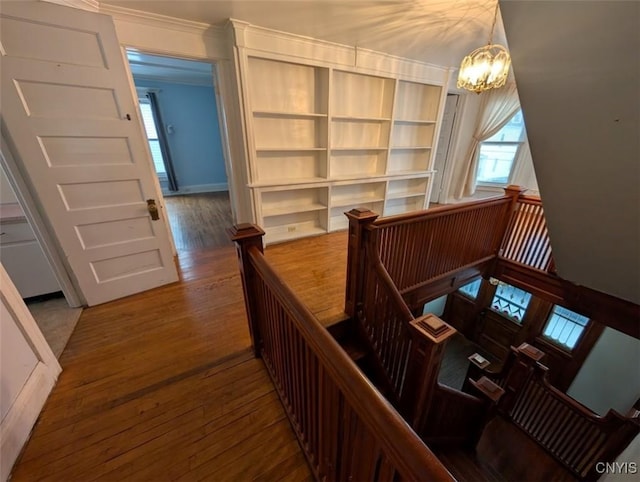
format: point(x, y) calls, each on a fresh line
point(499, 152)
point(471, 289)
point(564, 327)
point(510, 301)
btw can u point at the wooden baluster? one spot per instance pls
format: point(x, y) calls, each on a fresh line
point(515, 192)
point(429, 335)
point(246, 236)
point(358, 219)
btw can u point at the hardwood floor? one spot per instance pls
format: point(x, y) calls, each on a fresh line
point(199, 220)
point(161, 386)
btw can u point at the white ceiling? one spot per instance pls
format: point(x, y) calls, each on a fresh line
point(440, 32)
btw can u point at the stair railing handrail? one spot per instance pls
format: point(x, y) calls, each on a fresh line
point(396, 235)
point(574, 435)
point(377, 426)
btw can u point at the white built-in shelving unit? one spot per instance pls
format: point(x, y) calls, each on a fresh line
point(325, 139)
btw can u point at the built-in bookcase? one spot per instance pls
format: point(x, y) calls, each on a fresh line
point(324, 140)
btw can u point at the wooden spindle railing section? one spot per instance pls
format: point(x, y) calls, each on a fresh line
point(424, 248)
point(416, 249)
point(574, 435)
point(570, 432)
point(527, 239)
point(346, 428)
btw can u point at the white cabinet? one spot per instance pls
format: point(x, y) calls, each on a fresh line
point(21, 255)
point(324, 139)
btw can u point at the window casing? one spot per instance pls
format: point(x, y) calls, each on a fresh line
point(498, 154)
point(564, 327)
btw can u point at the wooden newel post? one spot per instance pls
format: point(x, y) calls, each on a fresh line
point(526, 361)
point(248, 236)
point(358, 219)
point(429, 335)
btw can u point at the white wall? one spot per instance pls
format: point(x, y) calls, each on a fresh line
point(28, 373)
point(435, 306)
point(610, 376)
point(6, 192)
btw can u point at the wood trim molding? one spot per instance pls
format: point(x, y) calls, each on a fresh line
point(90, 5)
point(279, 45)
point(614, 312)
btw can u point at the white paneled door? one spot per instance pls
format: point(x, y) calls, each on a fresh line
point(69, 113)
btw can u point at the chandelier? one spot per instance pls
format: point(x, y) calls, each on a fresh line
point(486, 67)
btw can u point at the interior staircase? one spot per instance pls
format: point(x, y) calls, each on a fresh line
point(503, 453)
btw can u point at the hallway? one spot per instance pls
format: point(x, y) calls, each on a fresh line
point(162, 386)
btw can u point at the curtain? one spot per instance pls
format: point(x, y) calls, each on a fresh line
point(497, 107)
point(163, 141)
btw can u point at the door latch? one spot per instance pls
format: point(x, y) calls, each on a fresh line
point(153, 209)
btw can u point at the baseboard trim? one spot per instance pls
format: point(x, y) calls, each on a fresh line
point(198, 188)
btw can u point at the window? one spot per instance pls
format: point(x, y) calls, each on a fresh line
point(564, 327)
point(471, 289)
point(498, 153)
point(152, 135)
point(510, 301)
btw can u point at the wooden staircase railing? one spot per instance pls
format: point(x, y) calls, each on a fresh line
point(570, 432)
point(407, 353)
point(427, 253)
point(346, 428)
point(527, 239)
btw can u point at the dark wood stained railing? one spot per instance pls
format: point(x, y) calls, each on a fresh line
point(570, 432)
point(417, 248)
point(527, 239)
point(346, 428)
point(385, 323)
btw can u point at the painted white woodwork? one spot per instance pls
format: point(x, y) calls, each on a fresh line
point(24, 260)
point(29, 372)
point(328, 136)
point(71, 120)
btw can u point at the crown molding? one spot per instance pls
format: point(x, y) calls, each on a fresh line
point(157, 20)
point(90, 5)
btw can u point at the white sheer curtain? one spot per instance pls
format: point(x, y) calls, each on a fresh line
point(496, 108)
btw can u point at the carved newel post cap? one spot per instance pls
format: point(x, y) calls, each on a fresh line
point(531, 352)
point(432, 327)
point(242, 231)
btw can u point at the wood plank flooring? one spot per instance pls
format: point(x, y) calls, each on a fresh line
point(161, 386)
point(199, 220)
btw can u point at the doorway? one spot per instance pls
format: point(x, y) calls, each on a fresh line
point(179, 108)
point(23, 258)
point(444, 142)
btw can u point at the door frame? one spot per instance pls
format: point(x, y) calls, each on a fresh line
point(31, 207)
point(220, 112)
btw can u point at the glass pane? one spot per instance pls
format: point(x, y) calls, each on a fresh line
point(471, 289)
point(156, 153)
point(511, 302)
point(494, 164)
point(512, 131)
point(565, 327)
point(495, 160)
point(147, 119)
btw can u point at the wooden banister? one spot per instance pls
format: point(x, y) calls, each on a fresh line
point(347, 430)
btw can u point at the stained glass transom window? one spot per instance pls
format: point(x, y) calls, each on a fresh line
point(471, 289)
point(510, 301)
point(565, 327)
